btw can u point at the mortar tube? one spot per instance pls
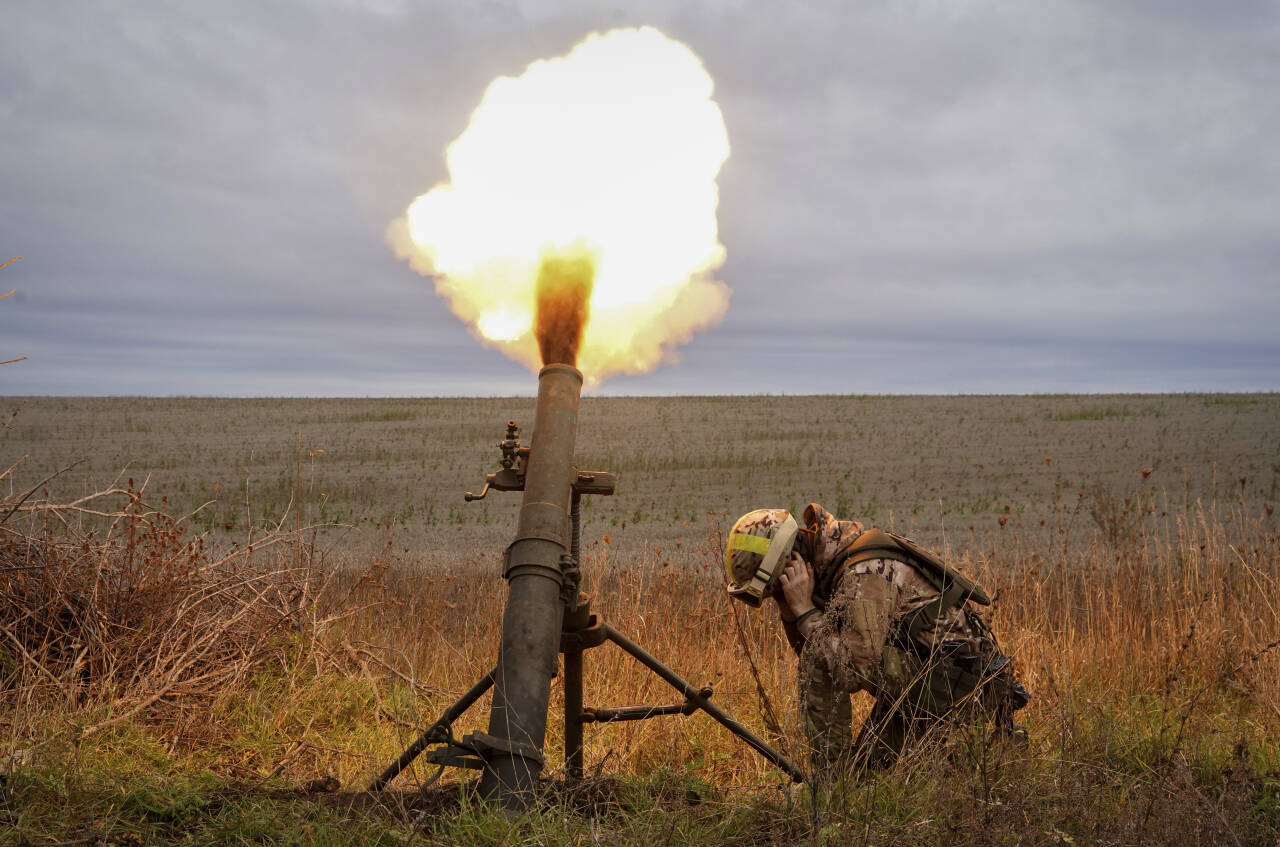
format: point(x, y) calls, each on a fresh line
point(531, 622)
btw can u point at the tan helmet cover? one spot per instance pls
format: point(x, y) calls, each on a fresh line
point(757, 544)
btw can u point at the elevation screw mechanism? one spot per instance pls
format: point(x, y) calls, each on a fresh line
point(510, 446)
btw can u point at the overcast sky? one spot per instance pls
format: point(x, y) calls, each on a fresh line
point(933, 196)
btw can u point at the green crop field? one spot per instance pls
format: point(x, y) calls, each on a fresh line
point(220, 618)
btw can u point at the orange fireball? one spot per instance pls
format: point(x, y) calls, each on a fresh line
point(608, 154)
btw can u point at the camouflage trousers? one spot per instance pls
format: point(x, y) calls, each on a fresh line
point(913, 696)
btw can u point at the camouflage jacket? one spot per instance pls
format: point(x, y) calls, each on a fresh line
point(864, 608)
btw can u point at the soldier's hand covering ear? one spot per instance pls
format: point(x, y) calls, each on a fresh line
point(796, 583)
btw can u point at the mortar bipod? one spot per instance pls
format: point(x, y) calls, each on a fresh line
point(580, 631)
point(440, 732)
point(583, 631)
point(471, 752)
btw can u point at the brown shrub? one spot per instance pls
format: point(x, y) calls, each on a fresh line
point(107, 600)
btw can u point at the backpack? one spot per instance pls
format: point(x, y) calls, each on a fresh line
point(954, 589)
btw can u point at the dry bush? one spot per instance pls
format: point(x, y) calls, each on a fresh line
point(107, 601)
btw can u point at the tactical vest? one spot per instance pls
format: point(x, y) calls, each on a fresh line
point(954, 589)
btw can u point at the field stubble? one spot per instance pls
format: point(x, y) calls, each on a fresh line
point(1130, 541)
point(945, 470)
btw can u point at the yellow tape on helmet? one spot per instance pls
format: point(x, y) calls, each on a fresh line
point(751, 543)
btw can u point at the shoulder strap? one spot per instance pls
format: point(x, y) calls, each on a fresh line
point(940, 574)
point(954, 589)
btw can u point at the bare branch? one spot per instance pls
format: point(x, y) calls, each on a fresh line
point(33, 489)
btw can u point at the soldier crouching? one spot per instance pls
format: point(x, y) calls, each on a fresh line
point(867, 610)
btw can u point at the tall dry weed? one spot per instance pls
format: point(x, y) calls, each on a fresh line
point(107, 601)
point(1180, 611)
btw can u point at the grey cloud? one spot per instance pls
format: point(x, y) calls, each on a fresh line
point(200, 192)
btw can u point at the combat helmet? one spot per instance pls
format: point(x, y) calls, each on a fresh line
point(758, 543)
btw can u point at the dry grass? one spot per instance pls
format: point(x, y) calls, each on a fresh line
point(1182, 614)
point(108, 606)
point(1145, 623)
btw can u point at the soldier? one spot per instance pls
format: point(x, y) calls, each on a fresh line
point(867, 610)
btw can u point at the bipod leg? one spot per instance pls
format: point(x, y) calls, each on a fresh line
point(694, 696)
point(433, 734)
point(573, 716)
point(577, 619)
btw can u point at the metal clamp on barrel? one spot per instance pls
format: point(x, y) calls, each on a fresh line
point(601, 483)
point(549, 564)
point(592, 635)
